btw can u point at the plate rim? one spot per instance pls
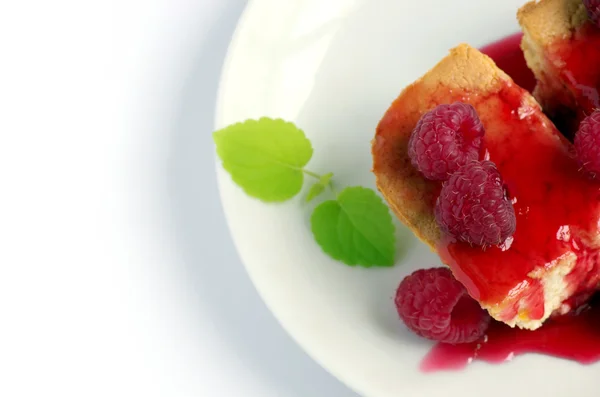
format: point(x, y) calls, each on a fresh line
point(219, 117)
point(311, 349)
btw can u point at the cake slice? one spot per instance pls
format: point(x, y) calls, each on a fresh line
point(550, 263)
point(562, 48)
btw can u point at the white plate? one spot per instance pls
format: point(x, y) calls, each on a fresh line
point(333, 67)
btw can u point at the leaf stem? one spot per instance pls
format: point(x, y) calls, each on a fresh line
point(310, 173)
point(330, 184)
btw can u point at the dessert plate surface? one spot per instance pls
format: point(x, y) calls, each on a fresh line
point(333, 67)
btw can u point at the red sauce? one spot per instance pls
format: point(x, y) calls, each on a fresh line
point(577, 60)
point(574, 338)
point(555, 207)
point(570, 81)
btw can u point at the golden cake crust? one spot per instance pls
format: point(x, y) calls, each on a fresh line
point(547, 20)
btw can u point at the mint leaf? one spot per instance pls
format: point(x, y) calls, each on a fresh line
point(265, 157)
point(356, 228)
point(319, 187)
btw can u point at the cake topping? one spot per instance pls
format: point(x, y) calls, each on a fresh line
point(587, 144)
point(473, 205)
point(444, 139)
point(436, 306)
point(593, 8)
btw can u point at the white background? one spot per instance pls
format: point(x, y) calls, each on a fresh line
point(117, 273)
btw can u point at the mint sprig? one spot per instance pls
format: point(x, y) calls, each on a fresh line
point(267, 159)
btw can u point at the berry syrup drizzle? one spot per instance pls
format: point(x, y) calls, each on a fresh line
point(576, 60)
point(575, 336)
point(577, 92)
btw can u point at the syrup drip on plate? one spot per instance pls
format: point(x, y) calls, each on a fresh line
point(573, 337)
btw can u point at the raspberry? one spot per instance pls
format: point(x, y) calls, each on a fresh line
point(473, 205)
point(444, 139)
point(593, 9)
point(587, 144)
point(434, 305)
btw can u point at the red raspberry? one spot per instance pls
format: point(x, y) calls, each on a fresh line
point(435, 306)
point(444, 139)
point(587, 144)
point(593, 8)
point(473, 205)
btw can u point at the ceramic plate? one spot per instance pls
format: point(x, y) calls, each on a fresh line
point(333, 67)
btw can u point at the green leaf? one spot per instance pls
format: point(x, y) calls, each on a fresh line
point(356, 228)
point(319, 187)
point(265, 157)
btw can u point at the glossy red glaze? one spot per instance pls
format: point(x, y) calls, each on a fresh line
point(555, 206)
point(573, 337)
point(577, 60)
point(569, 89)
